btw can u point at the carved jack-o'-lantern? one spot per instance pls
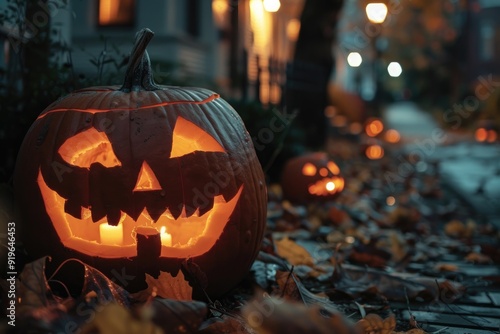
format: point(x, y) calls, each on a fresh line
point(311, 177)
point(106, 165)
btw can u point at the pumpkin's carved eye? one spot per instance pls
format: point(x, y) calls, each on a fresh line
point(332, 166)
point(88, 147)
point(188, 138)
point(309, 169)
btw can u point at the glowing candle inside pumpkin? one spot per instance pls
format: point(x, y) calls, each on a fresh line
point(166, 238)
point(111, 235)
point(330, 186)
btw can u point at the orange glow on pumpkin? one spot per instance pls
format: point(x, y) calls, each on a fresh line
point(190, 236)
point(374, 152)
point(327, 186)
point(88, 147)
point(188, 138)
point(374, 127)
point(147, 180)
point(187, 236)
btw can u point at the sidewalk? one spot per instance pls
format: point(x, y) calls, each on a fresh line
point(471, 169)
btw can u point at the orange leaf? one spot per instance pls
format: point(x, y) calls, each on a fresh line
point(167, 286)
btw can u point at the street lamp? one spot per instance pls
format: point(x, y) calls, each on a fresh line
point(354, 59)
point(376, 12)
point(394, 69)
point(272, 6)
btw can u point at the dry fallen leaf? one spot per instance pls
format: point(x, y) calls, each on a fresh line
point(446, 267)
point(458, 229)
point(166, 286)
point(226, 325)
point(478, 258)
point(113, 318)
point(293, 253)
point(32, 290)
point(373, 323)
point(176, 316)
point(394, 286)
point(291, 288)
point(278, 316)
point(104, 289)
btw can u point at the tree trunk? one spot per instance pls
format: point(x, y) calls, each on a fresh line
point(312, 67)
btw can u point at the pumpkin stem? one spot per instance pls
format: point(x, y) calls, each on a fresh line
point(139, 75)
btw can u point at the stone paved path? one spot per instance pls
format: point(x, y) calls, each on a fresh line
point(471, 169)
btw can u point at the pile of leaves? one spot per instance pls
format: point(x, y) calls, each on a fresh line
point(330, 267)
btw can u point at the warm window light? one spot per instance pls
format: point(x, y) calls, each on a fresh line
point(272, 6)
point(354, 59)
point(220, 9)
point(292, 29)
point(116, 12)
point(376, 12)
point(394, 69)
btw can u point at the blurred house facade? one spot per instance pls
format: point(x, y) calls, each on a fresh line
point(239, 47)
point(480, 55)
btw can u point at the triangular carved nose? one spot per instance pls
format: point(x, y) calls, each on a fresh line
point(146, 180)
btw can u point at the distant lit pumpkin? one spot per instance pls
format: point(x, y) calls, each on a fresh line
point(104, 163)
point(311, 177)
point(374, 152)
point(373, 127)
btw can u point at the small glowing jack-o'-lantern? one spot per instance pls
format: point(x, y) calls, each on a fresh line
point(311, 177)
point(374, 127)
point(484, 135)
point(374, 152)
point(105, 169)
point(486, 131)
point(392, 136)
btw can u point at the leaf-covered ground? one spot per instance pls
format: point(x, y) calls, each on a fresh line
point(388, 252)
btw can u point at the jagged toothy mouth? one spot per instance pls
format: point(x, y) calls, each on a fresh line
point(184, 236)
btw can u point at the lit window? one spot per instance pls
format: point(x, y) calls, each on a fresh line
point(116, 12)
